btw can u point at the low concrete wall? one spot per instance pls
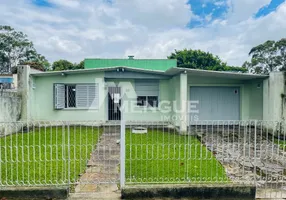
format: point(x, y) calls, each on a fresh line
point(34, 193)
point(10, 110)
point(191, 192)
point(10, 106)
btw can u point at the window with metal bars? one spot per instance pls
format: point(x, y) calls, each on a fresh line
point(79, 96)
point(150, 101)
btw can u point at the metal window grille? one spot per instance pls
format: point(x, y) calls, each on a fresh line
point(81, 96)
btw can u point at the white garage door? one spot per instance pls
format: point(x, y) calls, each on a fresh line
point(215, 103)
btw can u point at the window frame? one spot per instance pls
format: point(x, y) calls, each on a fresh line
point(96, 107)
point(147, 102)
point(147, 95)
point(67, 97)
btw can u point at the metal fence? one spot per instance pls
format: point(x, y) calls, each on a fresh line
point(80, 153)
point(49, 153)
point(209, 152)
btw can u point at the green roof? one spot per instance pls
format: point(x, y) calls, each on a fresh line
point(152, 64)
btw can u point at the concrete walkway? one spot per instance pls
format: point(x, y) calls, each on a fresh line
point(101, 178)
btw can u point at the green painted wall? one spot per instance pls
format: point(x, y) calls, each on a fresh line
point(42, 98)
point(152, 64)
point(42, 102)
point(134, 113)
point(43, 108)
point(251, 106)
point(174, 96)
point(255, 99)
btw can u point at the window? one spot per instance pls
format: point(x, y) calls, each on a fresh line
point(81, 96)
point(147, 93)
point(150, 101)
point(153, 101)
point(141, 101)
point(70, 96)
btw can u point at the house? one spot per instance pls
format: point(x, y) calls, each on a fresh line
point(145, 90)
point(6, 81)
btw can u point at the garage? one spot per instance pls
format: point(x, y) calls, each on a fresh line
point(215, 103)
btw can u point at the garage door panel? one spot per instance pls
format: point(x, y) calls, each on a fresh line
point(216, 103)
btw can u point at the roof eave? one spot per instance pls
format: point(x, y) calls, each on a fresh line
point(97, 70)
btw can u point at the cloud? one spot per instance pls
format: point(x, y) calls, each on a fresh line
point(243, 9)
point(74, 29)
point(220, 3)
point(231, 41)
point(62, 45)
point(66, 3)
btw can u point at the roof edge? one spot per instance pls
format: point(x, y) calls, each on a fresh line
point(129, 59)
point(98, 69)
point(223, 72)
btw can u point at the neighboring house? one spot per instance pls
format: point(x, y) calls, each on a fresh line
point(15, 76)
point(6, 81)
point(148, 90)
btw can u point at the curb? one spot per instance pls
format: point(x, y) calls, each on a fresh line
point(193, 192)
point(34, 193)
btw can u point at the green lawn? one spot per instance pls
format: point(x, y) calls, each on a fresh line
point(281, 143)
point(170, 158)
point(41, 156)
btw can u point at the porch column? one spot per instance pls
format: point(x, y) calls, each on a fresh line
point(183, 101)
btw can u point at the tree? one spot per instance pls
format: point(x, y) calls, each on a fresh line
point(264, 58)
point(15, 48)
point(41, 63)
point(197, 59)
point(281, 47)
point(61, 65)
point(267, 57)
point(80, 65)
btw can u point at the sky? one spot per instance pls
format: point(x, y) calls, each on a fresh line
point(78, 29)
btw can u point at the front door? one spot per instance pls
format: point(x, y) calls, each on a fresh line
point(114, 103)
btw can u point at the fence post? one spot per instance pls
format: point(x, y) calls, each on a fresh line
point(255, 149)
point(69, 170)
point(122, 154)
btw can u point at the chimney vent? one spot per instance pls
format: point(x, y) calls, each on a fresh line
point(130, 57)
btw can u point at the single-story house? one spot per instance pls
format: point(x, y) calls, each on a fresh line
point(143, 90)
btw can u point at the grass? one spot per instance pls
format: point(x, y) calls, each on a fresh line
point(40, 157)
point(281, 143)
point(158, 157)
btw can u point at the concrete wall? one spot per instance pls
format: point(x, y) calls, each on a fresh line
point(274, 97)
point(10, 106)
point(24, 87)
point(10, 111)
